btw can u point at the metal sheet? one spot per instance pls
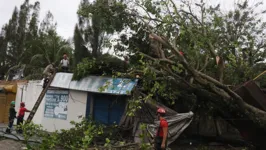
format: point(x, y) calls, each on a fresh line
point(252, 94)
point(177, 122)
point(116, 86)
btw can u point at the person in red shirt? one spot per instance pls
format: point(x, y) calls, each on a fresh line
point(21, 114)
point(162, 132)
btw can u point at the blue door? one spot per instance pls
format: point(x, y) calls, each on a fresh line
point(117, 110)
point(108, 109)
point(101, 109)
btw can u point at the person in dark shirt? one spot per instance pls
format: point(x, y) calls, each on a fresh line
point(12, 116)
point(20, 117)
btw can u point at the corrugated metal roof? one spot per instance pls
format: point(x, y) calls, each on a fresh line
point(95, 84)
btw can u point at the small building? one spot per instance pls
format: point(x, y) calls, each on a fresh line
point(7, 94)
point(101, 98)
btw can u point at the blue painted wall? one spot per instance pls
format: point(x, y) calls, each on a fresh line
point(107, 109)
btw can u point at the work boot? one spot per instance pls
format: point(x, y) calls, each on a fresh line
point(8, 131)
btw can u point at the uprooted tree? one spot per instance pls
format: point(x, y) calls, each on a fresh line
point(218, 49)
point(235, 38)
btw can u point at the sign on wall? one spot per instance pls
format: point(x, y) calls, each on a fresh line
point(56, 104)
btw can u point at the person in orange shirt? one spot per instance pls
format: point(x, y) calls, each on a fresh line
point(20, 117)
point(162, 132)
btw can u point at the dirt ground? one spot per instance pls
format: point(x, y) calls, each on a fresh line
point(6, 144)
point(10, 145)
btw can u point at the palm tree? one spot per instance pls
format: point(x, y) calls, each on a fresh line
point(50, 48)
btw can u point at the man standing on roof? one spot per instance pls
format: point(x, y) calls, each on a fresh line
point(20, 117)
point(64, 63)
point(162, 132)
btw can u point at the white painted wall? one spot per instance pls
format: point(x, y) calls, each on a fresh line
point(76, 107)
point(31, 91)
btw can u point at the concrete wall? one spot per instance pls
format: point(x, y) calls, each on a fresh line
point(31, 91)
point(76, 107)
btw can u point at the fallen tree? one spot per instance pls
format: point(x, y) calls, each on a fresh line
point(197, 49)
point(250, 121)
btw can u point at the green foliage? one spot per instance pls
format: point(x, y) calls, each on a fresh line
point(49, 141)
point(30, 130)
point(104, 65)
point(98, 20)
point(202, 34)
point(80, 50)
point(143, 136)
point(80, 136)
point(50, 47)
point(111, 17)
point(133, 106)
point(107, 143)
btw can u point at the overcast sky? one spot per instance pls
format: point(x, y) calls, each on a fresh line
point(64, 11)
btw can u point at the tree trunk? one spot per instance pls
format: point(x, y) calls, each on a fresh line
point(250, 121)
point(234, 115)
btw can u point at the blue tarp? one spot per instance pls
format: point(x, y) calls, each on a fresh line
point(95, 84)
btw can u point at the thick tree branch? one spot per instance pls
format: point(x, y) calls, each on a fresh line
point(198, 76)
